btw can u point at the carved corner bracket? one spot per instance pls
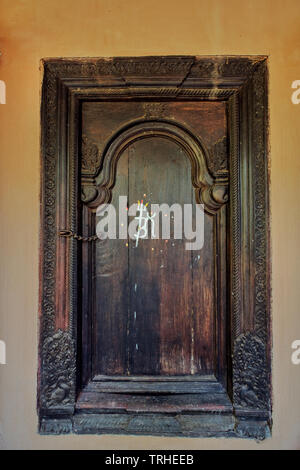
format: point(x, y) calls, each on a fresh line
point(210, 191)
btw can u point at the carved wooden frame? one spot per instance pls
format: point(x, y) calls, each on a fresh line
point(242, 83)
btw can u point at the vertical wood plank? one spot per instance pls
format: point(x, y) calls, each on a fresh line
point(161, 275)
point(204, 308)
point(111, 290)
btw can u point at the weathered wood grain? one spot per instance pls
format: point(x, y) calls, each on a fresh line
point(111, 292)
point(165, 293)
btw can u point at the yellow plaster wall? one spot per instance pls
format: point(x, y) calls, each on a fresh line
point(33, 29)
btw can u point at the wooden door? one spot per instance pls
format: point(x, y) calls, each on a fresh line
point(155, 338)
point(157, 309)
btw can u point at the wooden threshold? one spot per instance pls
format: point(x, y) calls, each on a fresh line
point(168, 396)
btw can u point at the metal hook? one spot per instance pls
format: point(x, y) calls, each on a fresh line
point(65, 233)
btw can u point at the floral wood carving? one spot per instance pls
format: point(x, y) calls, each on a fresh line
point(152, 66)
point(90, 156)
point(222, 67)
point(55, 426)
point(217, 68)
point(154, 110)
point(260, 201)
point(218, 156)
point(59, 367)
point(124, 67)
point(250, 384)
point(211, 192)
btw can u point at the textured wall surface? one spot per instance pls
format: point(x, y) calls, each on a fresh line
point(31, 30)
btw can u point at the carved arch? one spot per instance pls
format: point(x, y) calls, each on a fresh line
point(209, 190)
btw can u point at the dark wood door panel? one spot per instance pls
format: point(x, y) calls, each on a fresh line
point(155, 308)
point(160, 269)
point(166, 321)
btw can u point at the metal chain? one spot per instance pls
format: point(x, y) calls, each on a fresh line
point(70, 234)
